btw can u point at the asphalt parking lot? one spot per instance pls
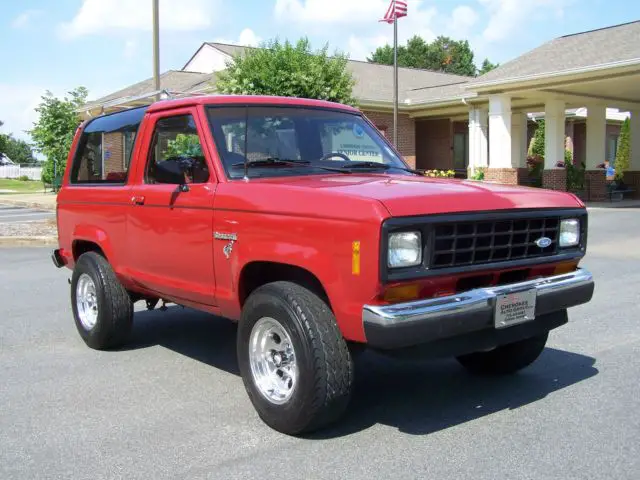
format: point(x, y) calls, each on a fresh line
point(172, 404)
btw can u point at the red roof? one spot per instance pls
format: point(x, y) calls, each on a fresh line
point(245, 100)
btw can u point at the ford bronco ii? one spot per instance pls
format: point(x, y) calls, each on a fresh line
point(301, 222)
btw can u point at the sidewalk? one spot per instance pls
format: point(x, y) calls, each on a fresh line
point(43, 201)
point(618, 204)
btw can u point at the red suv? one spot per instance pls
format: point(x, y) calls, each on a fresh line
point(298, 220)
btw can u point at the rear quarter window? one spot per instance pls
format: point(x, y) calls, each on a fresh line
point(105, 149)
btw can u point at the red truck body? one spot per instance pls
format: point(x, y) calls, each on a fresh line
point(207, 248)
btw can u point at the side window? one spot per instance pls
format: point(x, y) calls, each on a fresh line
point(88, 161)
point(105, 148)
point(176, 152)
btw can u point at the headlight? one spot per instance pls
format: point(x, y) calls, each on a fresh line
point(569, 233)
point(405, 249)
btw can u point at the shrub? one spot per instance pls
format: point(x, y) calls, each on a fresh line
point(575, 175)
point(535, 165)
point(623, 154)
point(439, 173)
point(478, 175)
point(290, 70)
point(537, 148)
point(23, 178)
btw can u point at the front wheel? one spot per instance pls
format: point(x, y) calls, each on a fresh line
point(505, 359)
point(294, 362)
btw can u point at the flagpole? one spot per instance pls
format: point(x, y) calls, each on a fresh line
point(395, 76)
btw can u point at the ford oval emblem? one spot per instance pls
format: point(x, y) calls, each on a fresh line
point(543, 242)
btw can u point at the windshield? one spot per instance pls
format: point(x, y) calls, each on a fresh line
point(281, 141)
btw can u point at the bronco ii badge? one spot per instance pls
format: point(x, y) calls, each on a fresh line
point(228, 248)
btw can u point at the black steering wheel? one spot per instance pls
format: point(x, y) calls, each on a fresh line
point(335, 154)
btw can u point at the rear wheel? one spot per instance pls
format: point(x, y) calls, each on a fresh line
point(295, 365)
point(102, 309)
point(505, 359)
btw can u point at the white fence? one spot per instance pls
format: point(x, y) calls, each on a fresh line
point(16, 171)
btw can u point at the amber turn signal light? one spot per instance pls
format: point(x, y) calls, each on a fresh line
point(565, 267)
point(402, 292)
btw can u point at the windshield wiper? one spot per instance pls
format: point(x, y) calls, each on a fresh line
point(271, 161)
point(379, 166)
point(284, 162)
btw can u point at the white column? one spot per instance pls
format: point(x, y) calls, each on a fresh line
point(596, 136)
point(634, 165)
point(500, 131)
point(554, 140)
point(519, 140)
point(478, 147)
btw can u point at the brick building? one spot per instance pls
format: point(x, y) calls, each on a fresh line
point(583, 85)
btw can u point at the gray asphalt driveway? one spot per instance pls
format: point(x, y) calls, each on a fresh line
point(172, 404)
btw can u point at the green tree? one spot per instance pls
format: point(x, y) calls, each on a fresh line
point(3, 140)
point(184, 145)
point(53, 132)
point(289, 70)
point(487, 66)
point(623, 155)
point(17, 150)
point(537, 147)
point(443, 54)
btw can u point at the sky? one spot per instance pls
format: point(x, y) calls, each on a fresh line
point(106, 45)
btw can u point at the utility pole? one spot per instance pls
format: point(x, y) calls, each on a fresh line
point(156, 48)
point(395, 76)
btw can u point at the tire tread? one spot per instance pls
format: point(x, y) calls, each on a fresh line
point(117, 307)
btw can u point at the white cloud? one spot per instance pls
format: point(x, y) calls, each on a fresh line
point(17, 104)
point(509, 16)
point(420, 21)
point(130, 49)
point(463, 18)
point(330, 11)
point(249, 38)
point(23, 20)
point(360, 48)
point(99, 16)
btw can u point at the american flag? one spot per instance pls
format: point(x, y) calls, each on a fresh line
point(397, 9)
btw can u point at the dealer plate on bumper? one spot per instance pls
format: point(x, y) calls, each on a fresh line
point(515, 308)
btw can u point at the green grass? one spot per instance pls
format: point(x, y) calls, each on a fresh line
point(20, 187)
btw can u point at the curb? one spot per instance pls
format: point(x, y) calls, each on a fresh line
point(35, 241)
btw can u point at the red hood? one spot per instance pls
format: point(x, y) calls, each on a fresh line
point(412, 195)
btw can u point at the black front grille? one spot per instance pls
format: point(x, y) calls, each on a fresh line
point(488, 241)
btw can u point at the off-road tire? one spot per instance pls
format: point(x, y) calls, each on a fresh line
point(115, 309)
point(325, 366)
point(505, 359)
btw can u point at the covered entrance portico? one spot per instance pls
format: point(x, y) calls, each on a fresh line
point(504, 115)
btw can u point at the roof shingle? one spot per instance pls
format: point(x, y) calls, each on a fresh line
point(580, 50)
point(374, 82)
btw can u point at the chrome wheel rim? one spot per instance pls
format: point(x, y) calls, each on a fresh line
point(87, 301)
point(273, 360)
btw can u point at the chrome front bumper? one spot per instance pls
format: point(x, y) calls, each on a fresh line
point(425, 321)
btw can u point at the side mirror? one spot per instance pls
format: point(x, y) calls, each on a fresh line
point(172, 171)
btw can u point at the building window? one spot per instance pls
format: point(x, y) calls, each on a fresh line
point(460, 151)
point(612, 148)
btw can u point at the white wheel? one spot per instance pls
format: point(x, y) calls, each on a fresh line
point(273, 360)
